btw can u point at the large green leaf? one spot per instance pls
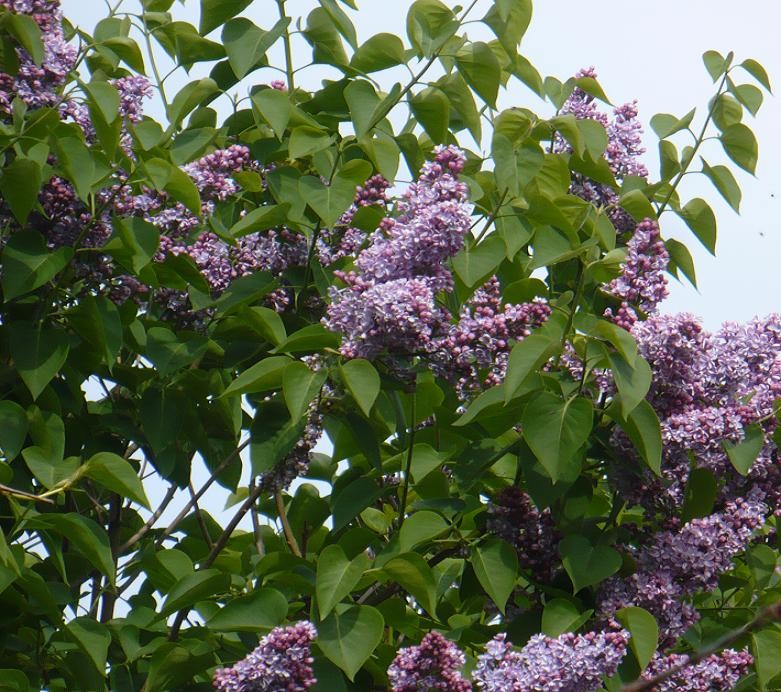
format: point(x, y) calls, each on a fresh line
point(379, 52)
point(725, 183)
point(117, 474)
point(555, 429)
point(13, 429)
point(562, 615)
point(265, 375)
point(743, 454)
point(414, 575)
point(741, 146)
point(496, 565)
point(349, 637)
point(644, 630)
point(300, 385)
point(38, 354)
point(214, 13)
point(331, 201)
point(28, 263)
point(766, 646)
point(97, 320)
point(199, 586)
point(430, 23)
point(587, 564)
point(261, 609)
point(20, 185)
point(246, 44)
point(643, 429)
point(362, 381)
point(527, 356)
point(93, 638)
point(337, 576)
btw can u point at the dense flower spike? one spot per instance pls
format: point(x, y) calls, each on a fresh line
point(716, 672)
point(36, 85)
point(390, 302)
point(568, 663)
point(643, 280)
point(475, 350)
point(432, 665)
point(282, 662)
point(678, 563)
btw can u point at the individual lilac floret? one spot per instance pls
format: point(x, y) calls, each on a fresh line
point(434, 664)
point(475, 351)
point(643, 280)
point(720, 671)
point(36, 85)
point(282, 662)
point(568, 663)
point(679, 563)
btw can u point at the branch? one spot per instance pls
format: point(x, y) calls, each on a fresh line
point(138, 535)
point(766, 615)
point(289, 535)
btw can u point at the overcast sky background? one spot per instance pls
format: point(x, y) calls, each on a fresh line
point(646, 51)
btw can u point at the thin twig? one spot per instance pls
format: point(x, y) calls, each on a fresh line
point(286, 528)
point(138, 535)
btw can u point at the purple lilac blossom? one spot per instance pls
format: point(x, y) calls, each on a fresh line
point(39, 86)
point(720, 671)
point(474, 352)
point(513, 517)
point(282, 662)
point(389, 303)
point(434, 664)
point(568, 663)
point(678, 563)
point(643, 281)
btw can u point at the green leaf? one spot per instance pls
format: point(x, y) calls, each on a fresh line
point(741, 146)
point(98, 322)
point(379, 52)
point(266, 322)
point(414, 575)
point(331, 201)
point(666, 125)
point(273, 435)
point(28, 263)
point(643, 429)
point(264, 376)
point(262, 609)
point(480, 68)
point(748, 95)
point(27, 31)
point(300, 385)
point(134, 244)
point(195, 94)
point(757, 72)
point(175, 181)
point(93, 638)
point(767, 662)
point(587, 564)
point(632, 379)
point(743, 454)
point(306, 140)
point(246, 44)
point(215, 13)
point(337, 576)
point(170, 352)
point(644, 630)
point(85, 535)
point(496, 565)
point(473, 266)
point(567, 125)
point(275, 107)
point(715, 63)
point(681, 258)
point(351, 500)
point(126, 50)
point(637, 204)
point(699, 217)
point(201, 585)
point(561, 615)
point(323, 35)
point(432, 109)
point(430, 23)
point(421, 527)
point(362, 103)
point(78, 165)
point(191, 144)
point(362, 381)
point(13, 429)
point(20, 185)
point(349, 637)
point(556, 429)
point(527, 356)
point(38, 353)
point(724, 182)
point(117, 474)
point(700, 495)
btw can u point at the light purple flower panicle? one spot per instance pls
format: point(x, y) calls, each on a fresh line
point(434, 664)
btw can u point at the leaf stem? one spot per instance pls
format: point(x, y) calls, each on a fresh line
point(286, 528)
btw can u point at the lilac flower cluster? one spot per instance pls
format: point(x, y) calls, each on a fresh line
point(568, 663)
point(623, 152)
point(474, 351)
point(678, 563)
point(39, 86)
point(389, 303)
point(434, 664)
point(513, 517)
point(720, 672)
point(282, 662)
point(643, 281)
point(706, 388)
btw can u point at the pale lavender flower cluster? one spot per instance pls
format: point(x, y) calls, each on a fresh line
point(434, 664)
point(282, 662)
point(676, 564)
point(720, 671)
point(643, 281)
point(513, 517)
point(389, 303)
point(39, 86)
point(474, 351)
point(706, 388)
point(568, 663)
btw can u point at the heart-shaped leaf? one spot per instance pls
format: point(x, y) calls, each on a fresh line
point(587, 564)
point(349, 637)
